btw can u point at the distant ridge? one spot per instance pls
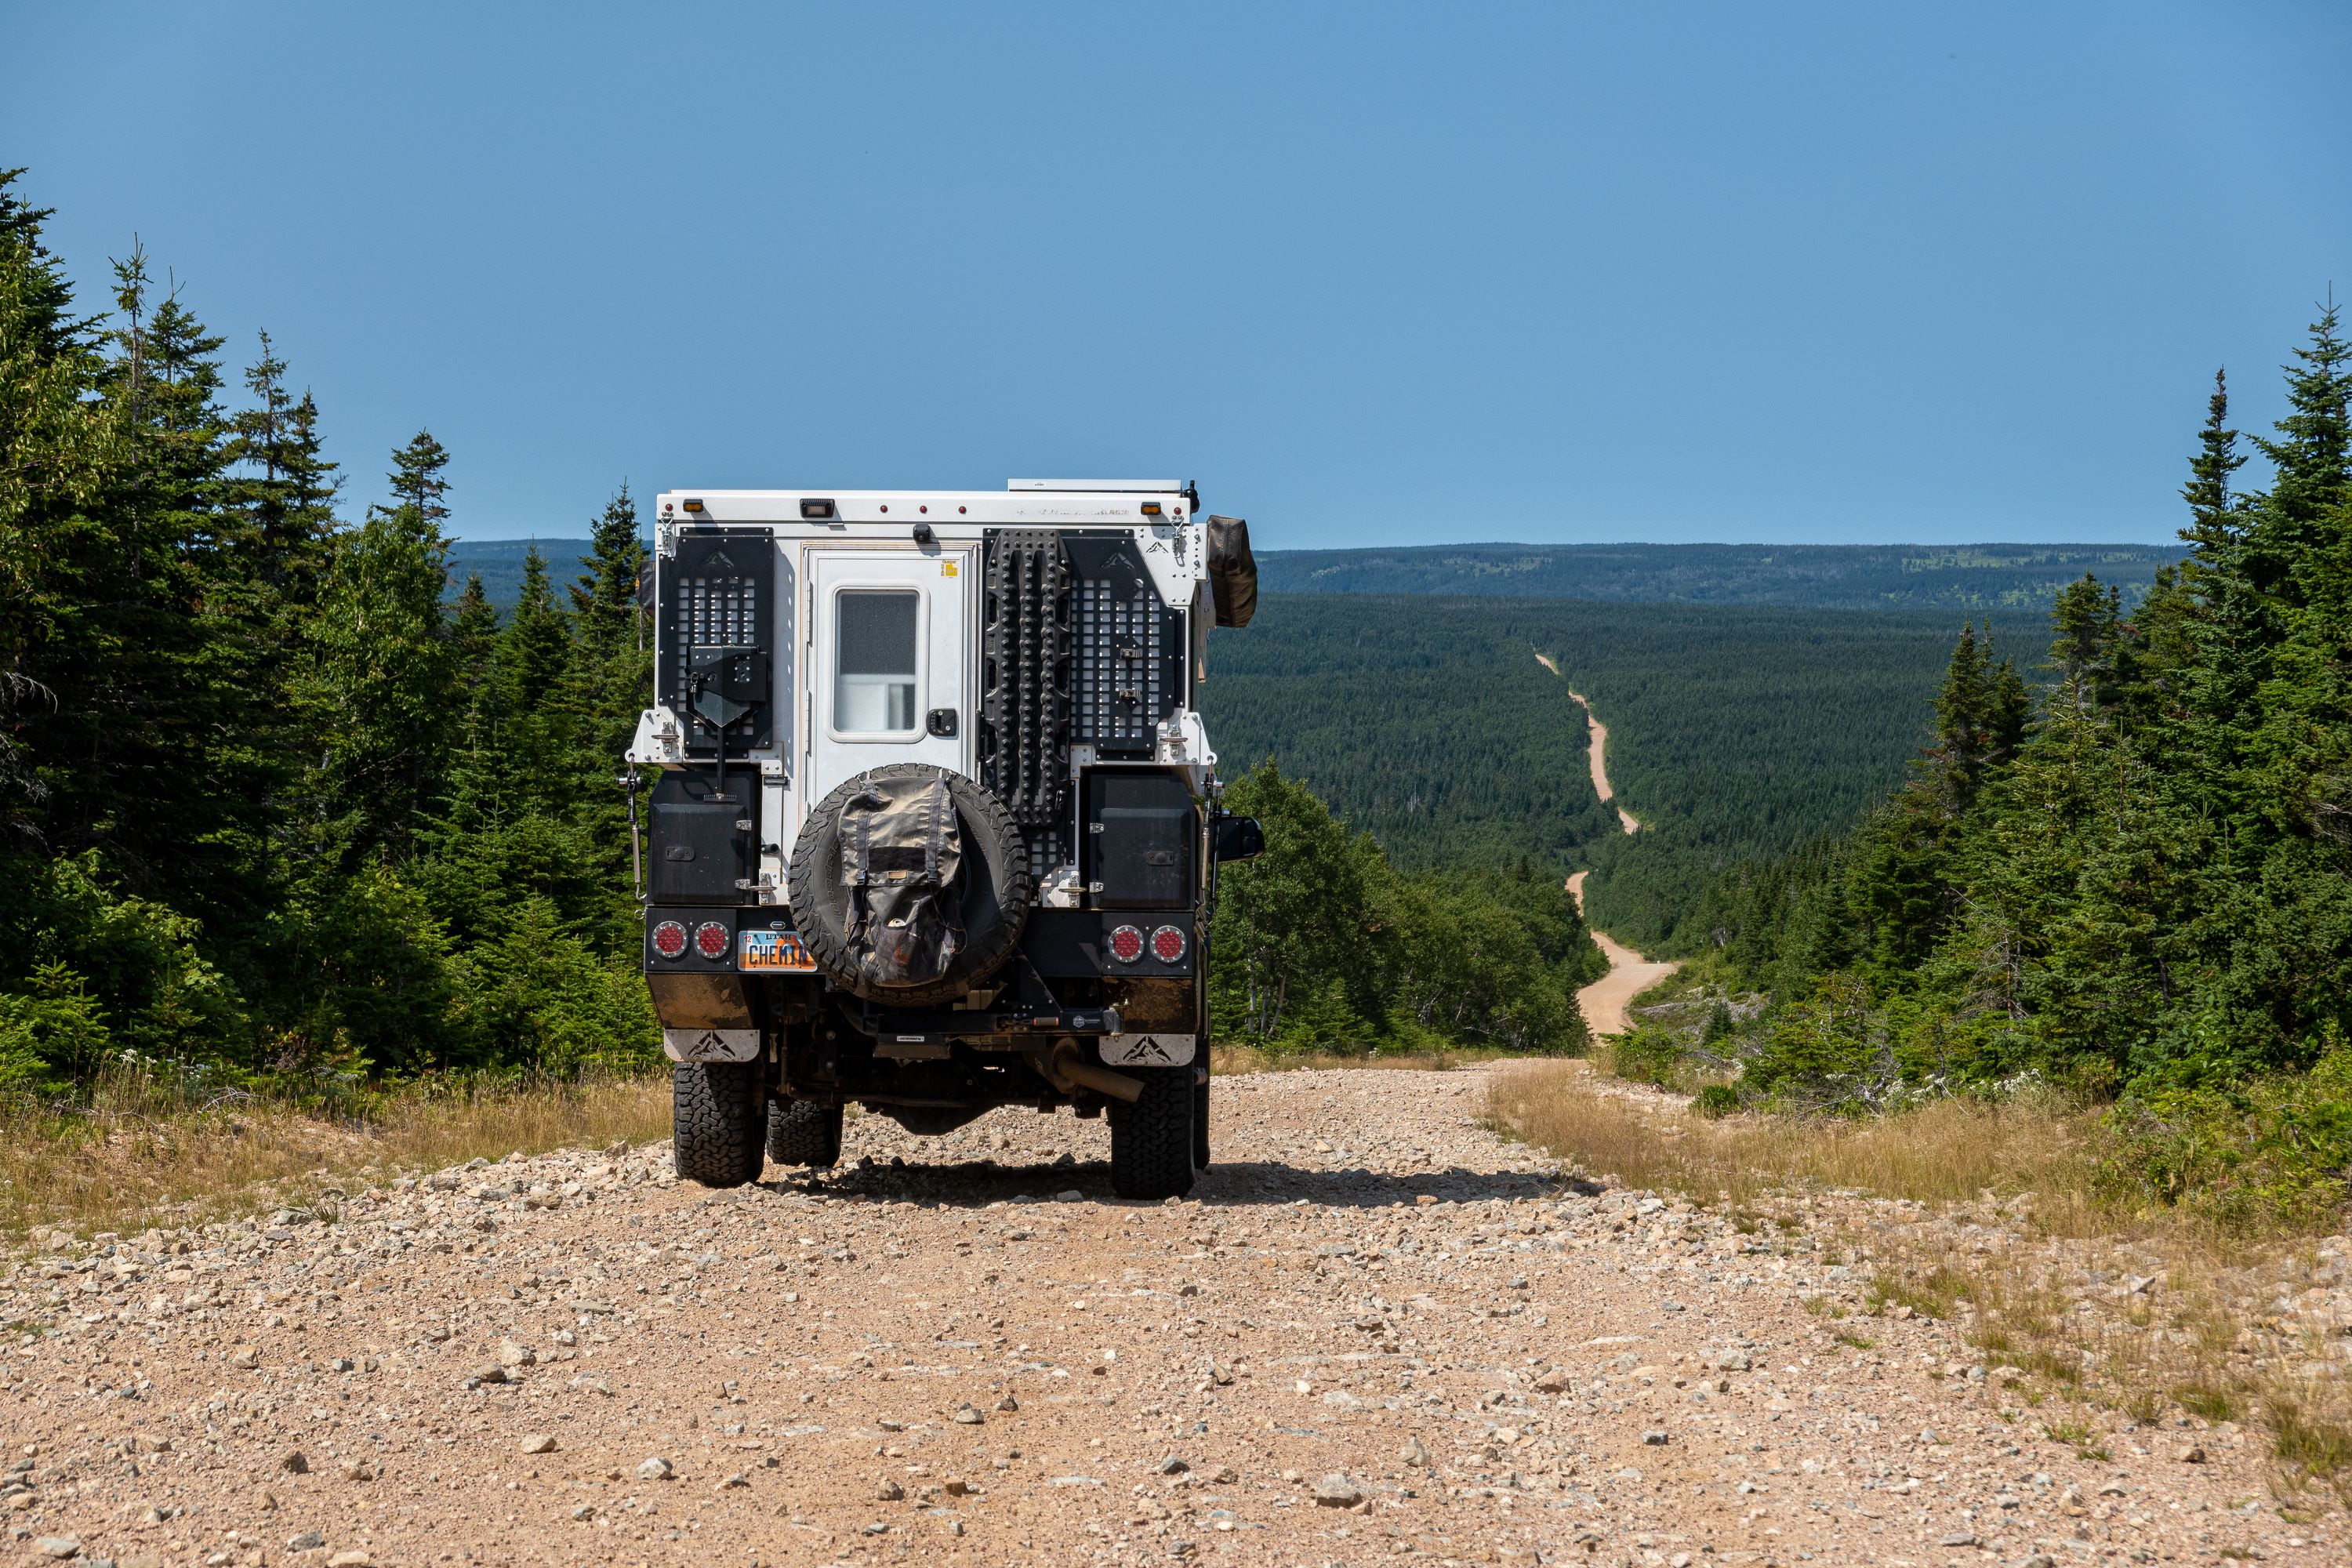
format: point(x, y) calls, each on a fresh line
point(1968, 577)
point(499, 563)
point(1813, 576)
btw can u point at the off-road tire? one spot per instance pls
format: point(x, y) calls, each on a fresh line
point(715, 1122)
point(803, 1132)
point(1200, 1112)
point(994, 881)
point(1152, 1141)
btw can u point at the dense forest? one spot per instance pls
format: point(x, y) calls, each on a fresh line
point(2138, 880)
point(1734, 732)
point(1971, 577)
point(266, 804)
point(282, 800)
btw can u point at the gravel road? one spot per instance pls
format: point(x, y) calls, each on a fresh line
point(1605, 1002)
point(1377, 1333)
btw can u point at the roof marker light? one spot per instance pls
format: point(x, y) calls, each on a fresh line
point(816, 510)
point(692, 505)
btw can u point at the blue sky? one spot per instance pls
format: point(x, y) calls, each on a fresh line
point(1370, 274)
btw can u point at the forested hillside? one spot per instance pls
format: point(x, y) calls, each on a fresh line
point(277, 806)
point(1734, 731)
point(2141, 879)
point(1966, 577)
point(499, 563)
point(266, 805)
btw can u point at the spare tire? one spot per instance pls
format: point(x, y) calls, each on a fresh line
point(910, 885)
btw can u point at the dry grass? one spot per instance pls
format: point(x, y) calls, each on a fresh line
point(2149, 1313)
point(1248, 1059)
point(139, 1156)
point(1942, 1152)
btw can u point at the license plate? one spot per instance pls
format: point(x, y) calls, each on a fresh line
point(778, 951)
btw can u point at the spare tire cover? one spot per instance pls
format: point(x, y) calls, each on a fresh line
point(909, 884)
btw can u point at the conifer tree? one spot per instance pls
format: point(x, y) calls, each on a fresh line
point(2214, 518)
point(416, 479)
point(2312, 455)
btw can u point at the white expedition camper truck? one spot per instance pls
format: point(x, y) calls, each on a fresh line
point(929, 821)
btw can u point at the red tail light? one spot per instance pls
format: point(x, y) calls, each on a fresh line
point(1168, 944)
point(712, 940)
point(669, 940)
point(1127, 945)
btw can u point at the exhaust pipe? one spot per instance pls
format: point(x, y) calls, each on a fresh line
point(1067, 1069)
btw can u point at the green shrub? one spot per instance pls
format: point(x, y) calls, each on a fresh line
point(1648, 1055)
point(2272, 1153)
point(1717, 1101)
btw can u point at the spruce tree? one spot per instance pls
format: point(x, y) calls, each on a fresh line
point(416, 479)
point(2214, 518)
point(2313, 457)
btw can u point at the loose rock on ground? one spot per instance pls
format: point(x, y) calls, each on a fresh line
point(1376, 1333)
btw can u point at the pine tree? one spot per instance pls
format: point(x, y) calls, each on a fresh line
point(614, 665)
point(2313, 457)
point(474, 633)
point(59, 453)
point(2089, 623)
point(2214, 518)
point(416, 479)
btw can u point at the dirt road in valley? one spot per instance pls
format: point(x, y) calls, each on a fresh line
point(1606, 1000)
point(1378, 1333)
point(1598, 753)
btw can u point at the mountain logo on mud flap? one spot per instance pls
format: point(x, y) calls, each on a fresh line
point(711, 1045)
point(1149, 1050)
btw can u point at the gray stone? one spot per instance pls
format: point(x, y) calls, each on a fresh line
point(968, 1416)
point(1957, 1538)
point(1172, 1466)
point(308, 1541)
point(1336, 1490)
point(1655, 1436)
point(59, 1546)
point(888, 1491)
point(655, 1469)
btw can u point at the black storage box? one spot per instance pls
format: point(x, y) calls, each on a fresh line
point(703, 850)
point(1143, 838)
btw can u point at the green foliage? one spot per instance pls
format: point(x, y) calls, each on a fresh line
point(1734, 732)
point(1717, 1101)
point(266, 807)
point(2274, 1152)
point(1321, 943)
point(2144, 890)
point(1648, 1054)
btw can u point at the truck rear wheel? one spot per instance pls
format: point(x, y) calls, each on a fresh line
point(715, 1122)
point(1152, 1141)
point(803, 1132)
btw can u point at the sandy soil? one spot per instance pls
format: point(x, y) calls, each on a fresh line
point(1606, 1000)
point(1378, 1333)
